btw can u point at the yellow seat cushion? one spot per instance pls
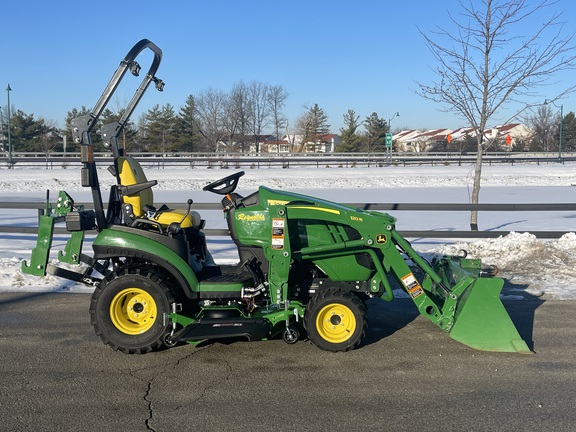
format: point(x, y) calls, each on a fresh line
point(166, 217)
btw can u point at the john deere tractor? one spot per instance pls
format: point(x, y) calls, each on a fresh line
point(306, 266)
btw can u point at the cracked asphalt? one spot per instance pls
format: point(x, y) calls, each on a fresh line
point(56, 375)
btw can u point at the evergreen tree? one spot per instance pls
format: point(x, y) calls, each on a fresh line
point(26, 132)
point(313, 125)
point(159, 129)
point(375, 137)
point(351, 141)
point(568, 133)
point(188, 133)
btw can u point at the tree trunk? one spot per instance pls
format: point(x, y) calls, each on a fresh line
point(476, 188)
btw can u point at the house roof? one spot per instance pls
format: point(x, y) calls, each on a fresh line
point(507, 127)
point(433, 135)
point(329, 137)
point(421, 136)
point(276, 142)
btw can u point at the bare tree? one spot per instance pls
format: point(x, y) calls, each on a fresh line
point(486, 63)
point(290, 137)
point(210, 105)
point(237, 116)
point(49, 138)
point(544, 125)
point(259, 109)
point(276, 100)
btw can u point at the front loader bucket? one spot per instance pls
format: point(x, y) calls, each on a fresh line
point(482, 322)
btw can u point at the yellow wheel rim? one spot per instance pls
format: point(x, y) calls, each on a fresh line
point(133, 311)
point(335, 323)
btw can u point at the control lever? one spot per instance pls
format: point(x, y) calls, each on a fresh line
point(190, 202)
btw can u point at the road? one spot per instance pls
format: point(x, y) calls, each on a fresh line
point(57, 376)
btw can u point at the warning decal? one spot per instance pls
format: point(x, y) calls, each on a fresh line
point(412, 285)
point(278, 233)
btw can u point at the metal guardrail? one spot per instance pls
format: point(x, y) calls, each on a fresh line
point(237, 160)
point(365, 206)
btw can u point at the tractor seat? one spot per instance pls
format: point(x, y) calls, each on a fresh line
point(138, 198)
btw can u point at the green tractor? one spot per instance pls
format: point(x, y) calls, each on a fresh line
point(306, 266)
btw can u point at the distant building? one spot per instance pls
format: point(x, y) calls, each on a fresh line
point(288, 144)
point(419, 141)
point(294, 144)
point(275, 146)
point(422, 141)
point(324, 144)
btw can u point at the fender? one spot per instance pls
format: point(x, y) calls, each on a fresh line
point(169, 253)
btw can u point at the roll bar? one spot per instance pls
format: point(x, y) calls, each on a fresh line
point(82, 126)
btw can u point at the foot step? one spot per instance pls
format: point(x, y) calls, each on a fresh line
point(209, 328)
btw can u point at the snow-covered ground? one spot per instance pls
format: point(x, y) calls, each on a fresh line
point(535, 267)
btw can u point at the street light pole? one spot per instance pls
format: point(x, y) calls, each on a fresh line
point(396, 114)
point(560, 133)
point(8, 90)
point(2, 130)
point(389, 146)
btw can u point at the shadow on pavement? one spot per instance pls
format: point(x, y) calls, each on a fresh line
point(386, 318)
point(24, 297)
point(522, 311)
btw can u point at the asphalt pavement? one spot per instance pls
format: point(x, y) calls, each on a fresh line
point(56, 375)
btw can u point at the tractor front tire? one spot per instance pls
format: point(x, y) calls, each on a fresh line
point(336, 320)
point(127, 310)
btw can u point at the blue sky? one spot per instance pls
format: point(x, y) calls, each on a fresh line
point(364, 55)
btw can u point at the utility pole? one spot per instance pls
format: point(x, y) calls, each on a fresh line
point(2, 129)
point(8, 90)
point(389, 138)
point(560, 137)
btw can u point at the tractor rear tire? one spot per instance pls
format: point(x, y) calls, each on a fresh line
point(127, 310)
point(336, 320)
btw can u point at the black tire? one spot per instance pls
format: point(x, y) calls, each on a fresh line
point(127, 310)
point(336, 320)
point(291, 335)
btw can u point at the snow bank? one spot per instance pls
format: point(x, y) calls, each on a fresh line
point(541, 268)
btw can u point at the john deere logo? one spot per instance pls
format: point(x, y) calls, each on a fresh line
point(381, 238)
point(254, 217)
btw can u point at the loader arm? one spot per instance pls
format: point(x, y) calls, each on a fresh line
point(450, 292)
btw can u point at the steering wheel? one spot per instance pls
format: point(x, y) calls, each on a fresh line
point(225, 185)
